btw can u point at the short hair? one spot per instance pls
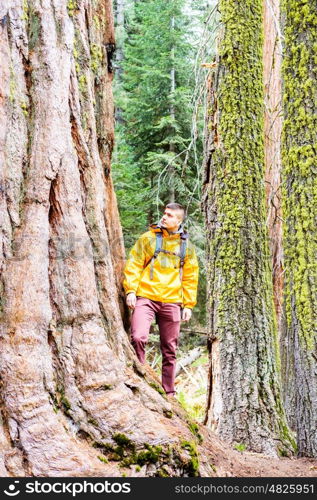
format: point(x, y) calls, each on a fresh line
point(177, 206)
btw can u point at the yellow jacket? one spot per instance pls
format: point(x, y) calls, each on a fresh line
point(166, 285)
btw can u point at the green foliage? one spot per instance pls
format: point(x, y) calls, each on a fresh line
point(131, 191)
point(151, 455)
point(157, 116)
point(240, 447)
point(152, 164)
point(192, 386)
point(122, 439)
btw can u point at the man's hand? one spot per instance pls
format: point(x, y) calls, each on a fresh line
point(131, 300)
point(187, 314)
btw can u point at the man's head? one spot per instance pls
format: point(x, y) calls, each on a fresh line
point(173, 216)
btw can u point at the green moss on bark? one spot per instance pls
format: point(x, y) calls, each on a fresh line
point(34, 28)
point(190, 446)
point(72, 6)
point(179, 459)
point(241, 308)
point(299, 168)
point(299, 195)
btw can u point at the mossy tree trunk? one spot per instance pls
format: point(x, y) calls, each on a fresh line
point(244, 403)
point(299, 142)
point(72, 393)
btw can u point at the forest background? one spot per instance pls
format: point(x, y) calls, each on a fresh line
point(160, 98)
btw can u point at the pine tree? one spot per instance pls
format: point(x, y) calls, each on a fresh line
point(158, 84)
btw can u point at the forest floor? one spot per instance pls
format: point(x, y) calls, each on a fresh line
point(228, 461)
point(232, 463)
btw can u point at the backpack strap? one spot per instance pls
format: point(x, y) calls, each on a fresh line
point(158, 246)
point(182, 253)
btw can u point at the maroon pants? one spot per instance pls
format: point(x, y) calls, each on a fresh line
point(168, 319)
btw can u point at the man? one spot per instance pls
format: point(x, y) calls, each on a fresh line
point(160, 279)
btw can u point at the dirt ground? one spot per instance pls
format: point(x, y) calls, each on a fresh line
point(231, 463)
point(228, 462)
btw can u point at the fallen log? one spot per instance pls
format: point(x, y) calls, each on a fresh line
point(188, 360)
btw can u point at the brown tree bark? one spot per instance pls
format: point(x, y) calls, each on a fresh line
point(71, 388)
point(272, 59)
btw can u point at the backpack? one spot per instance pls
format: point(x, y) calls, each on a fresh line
point(158, 248)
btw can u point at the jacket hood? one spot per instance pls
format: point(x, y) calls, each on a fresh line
point(156, 228)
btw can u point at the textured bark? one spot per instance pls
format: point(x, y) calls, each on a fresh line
point(299, 208)
point(244, 402)
point(272, 58)
point(71, 388)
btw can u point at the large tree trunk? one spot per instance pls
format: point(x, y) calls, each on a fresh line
point(244, 402)
point(71, 388)
point(272, 58)
point(299, 213)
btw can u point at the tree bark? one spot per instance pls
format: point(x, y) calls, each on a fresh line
point(71, 388)
point(299, 208)
point(272, 58)
point(244, 401)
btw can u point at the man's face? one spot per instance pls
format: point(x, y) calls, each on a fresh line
point(171, 219)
